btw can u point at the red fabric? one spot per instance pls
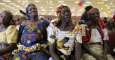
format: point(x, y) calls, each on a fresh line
point(112, 39)
point(101, 23)
point(80, 3)
point(86, 38)
point(59, 9)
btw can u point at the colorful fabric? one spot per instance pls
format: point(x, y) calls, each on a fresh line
point(6, 37)
point(33, 35)
point(63, 39)
point(97, 49)
point(9, 35)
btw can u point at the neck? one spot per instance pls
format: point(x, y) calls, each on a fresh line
point(33, 19)
point(66, 25)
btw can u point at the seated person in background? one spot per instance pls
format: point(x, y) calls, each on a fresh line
point(61, 40)
point(8, 35)
point(112, 42)
point(95, 38)
point(33, 43)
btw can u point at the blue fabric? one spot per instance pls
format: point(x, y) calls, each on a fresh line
point(38, 35)
point(83, 1)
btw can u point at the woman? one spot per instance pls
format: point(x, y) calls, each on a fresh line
point(33, 39)
point(61, 40)
point(8, 35)
point(96, 38)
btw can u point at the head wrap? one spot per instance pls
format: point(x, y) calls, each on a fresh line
point(58, 11)
point(90, 11)
point(27, 10)
point(100, 21)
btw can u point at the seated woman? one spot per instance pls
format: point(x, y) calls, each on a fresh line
point(95, 38)
point(8, 35)
point(61, 38)
point(33, 41)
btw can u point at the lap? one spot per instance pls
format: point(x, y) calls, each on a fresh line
point(32, 56)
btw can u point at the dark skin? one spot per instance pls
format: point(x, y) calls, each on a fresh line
point(94, 16)
point(6, 18)
point(65, 24)
point(32, 12)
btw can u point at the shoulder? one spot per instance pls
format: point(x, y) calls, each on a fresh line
point(11, 27)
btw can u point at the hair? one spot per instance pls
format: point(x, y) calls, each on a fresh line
point(9, 14)
point(87, 8)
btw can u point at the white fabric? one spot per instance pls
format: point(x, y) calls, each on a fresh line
point(17, 27)
point(51, 31)
point(106, 37)
point(96, 37)
point(60, 35)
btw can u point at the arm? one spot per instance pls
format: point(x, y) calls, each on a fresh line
point(77, 51)
point(105, 48)
point(8, 48)
point(86, 48)
point(52, 52)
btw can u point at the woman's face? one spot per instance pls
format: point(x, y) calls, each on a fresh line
point(32, 11)
point(95, 15)
point(66, 14)
point(4, 18)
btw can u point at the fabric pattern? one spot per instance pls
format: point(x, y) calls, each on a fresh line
point(63, 39)
point(33, 35)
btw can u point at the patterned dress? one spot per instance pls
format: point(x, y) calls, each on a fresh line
point(6, 37)
point(33, 39)
point(64, 41)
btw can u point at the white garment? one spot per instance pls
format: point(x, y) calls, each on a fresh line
point(60, 35)
point(96, 37)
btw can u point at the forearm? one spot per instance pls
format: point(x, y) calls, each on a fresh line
point(89, 51)
point(77, 51)
point(52, 52)
point(105, 48)
point(7, 49)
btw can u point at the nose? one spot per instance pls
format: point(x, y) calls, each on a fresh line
point(96, 15)
point(67, 13)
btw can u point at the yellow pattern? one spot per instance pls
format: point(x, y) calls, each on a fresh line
point(76, 29)
point(9, 35)
point(17, 58)
point(38, 31)
point(60, 44)
point(28, 41)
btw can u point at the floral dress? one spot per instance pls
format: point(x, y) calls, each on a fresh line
point(64, 41)
point(33, 39)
